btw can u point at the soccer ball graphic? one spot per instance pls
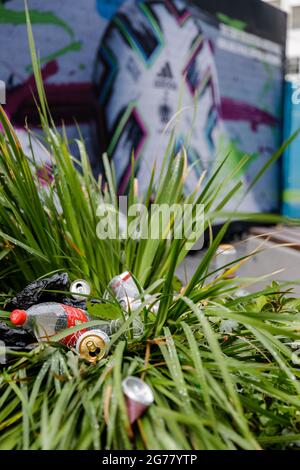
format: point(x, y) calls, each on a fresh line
point(155, 68)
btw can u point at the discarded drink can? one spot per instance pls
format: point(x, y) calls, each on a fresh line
point(154, 306)
point(92, 345)
point(47, 319)
point(128, 294)
point(138, 395)
point(124, 286)
point(111, 327)
point(129, 304)
point(133, 304)
point(79, 289)
point(130, 298)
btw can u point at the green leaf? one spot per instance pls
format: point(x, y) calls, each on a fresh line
point(103, 311)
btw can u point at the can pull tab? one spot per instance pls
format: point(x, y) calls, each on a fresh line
point(93, 350)
point(92, 345)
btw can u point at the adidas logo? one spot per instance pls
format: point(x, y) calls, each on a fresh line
point(166, 71)
point(165, 78)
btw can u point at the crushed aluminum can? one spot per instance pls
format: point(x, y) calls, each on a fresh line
point(114, 325)
point(111, 327)
point(128, 295)
point(138, 395)
point(79, 289)
point(130, 305)
point(155, 306)
point(138, 328)
point(126, 291)
point(92, 345)
point(124, 286)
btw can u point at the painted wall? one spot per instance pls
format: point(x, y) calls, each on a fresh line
point(230, 77)
point(139, 66)
point(291, 161)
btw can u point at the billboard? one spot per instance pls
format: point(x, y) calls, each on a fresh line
point(221, 64)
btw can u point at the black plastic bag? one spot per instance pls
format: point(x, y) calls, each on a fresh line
point(16, 338)
point(37, 292)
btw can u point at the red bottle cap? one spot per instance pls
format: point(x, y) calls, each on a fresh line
point(18, 317)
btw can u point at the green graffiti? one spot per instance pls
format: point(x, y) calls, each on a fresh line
point(225, 147)
point(237, 24)
point(72, 47)
point(291, 195)
point(8, 16)
point(14, 17)
point(267, 88)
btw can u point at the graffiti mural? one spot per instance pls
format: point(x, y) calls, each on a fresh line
point(147, 60)
point(158, 57)
point(67, 35)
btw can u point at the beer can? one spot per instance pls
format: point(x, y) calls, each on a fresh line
point(92, 345)
point(79, 289)
point(138, 396)
point(124, 286)
point(128, 294)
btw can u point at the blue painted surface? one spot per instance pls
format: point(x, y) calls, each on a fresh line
point(107, 8)
point(291, 158)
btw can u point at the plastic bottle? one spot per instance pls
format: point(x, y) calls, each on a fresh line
point(47, 319)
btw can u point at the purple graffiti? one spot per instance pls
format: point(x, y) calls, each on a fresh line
point(234, 110)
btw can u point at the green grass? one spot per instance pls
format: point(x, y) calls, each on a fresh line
point(212, 390)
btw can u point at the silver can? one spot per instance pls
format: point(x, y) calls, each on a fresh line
point(138, 395)
point(79, 289)
point(124, 286)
